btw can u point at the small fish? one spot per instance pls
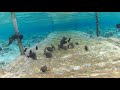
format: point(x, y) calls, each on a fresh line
point(86, 48)
point(10, 41)
point(63, 41)
point(44, 68)
point(118, 26)
point(47, 53)
point(25, 49)
point(32, 55)
point(53, 46)
point(30, 52)
point(76, 43)
point(36, 47)
point(0, 49)
point(15, 36)
point(20, 37)
point(69, 39)
point(50, 49)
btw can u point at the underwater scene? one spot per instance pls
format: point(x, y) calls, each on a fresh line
point(59, 44)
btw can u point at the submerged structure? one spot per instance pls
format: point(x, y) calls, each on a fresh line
point(59, 44)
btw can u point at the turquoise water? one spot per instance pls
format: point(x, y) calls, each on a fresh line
point(36, 26)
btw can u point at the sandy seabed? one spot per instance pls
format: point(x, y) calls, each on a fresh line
point(102, 60)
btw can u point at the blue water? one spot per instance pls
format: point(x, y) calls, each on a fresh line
point(35, 26)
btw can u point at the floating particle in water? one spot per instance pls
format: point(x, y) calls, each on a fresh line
point(44, 68)
point(62, 42)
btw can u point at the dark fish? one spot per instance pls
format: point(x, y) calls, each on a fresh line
point(118, 26)
point(77, 43)
point(65, 47)
point(0, 49)
point(69, 39)
point(44, 68)
point(10, 41)
point(63, 41)
point(86, 48)
point(50, 49)
point(32, 55)
point(25, 49)
point(53, 46)
point(36, 47)
point(48, 54)
point(30, 52)
point(15, 36)
point(20, 37)
point(64, 38)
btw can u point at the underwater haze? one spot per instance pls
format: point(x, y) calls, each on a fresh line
point(36, 26)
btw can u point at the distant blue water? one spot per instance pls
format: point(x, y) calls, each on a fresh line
point(32, 22)
point(35, 26)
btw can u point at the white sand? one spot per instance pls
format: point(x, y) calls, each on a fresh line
point(102, 59)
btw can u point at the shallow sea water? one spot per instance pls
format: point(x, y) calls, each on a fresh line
point(36, 26)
